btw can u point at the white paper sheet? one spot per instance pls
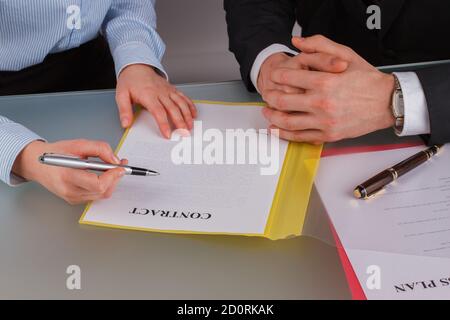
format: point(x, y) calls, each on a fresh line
point(409, 221)
point(401, 276)
point(237, 197)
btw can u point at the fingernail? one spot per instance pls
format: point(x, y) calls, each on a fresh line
point(300, 39)
point(116, 159)
point(122, 173)
point(124, 121)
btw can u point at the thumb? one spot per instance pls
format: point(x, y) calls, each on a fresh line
point(319, 43)
point(125, 106)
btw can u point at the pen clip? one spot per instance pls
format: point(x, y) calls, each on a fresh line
point(50, 154)
point(61, 155)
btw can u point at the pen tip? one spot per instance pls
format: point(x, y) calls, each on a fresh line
point(152, 173)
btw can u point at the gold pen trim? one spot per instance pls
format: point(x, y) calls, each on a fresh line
point(393, 172)
point(361, 193)
point(357, 193)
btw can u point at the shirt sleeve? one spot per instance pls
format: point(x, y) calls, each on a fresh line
point(13, 139)
point(130, 29)
point(262, 56)
point(417, 118)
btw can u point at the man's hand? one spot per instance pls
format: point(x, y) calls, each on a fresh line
point(141, 84)
point(334, 106)
point(272, 63)
point(74, 186)
point(283, 61)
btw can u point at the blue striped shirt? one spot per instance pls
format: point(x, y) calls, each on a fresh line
point(32, 29)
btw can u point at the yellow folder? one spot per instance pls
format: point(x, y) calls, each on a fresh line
point(290, 201)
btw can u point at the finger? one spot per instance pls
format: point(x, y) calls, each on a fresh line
point(291, 63)
point(290, 121)
point(283, 88)
point(89, 148)
point(86, 181)
point(159, 114)
point(71, 194)
point(191, 104)
point(94, 189)
point(184, 107)
point(80, 198)
point(125, 106)
point(322, 62)
point(290, 102)
point(308, 136)
point(75, 195)
point(305, 79)
point(109, 180)
point(322, 44)
point(90, 183)
point(111, 189)
point(173, 111)
point(291, 90)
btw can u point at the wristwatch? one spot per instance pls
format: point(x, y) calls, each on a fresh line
point(398, 107)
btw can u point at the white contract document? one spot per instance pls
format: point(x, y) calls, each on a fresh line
point(198, 197)
point(405, 230)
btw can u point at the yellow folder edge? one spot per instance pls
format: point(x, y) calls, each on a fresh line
point(291, 199)
point(290, 202)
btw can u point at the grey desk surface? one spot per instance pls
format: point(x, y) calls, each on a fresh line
point(40, 235)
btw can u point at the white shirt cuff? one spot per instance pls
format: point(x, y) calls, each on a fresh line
point(417, 118)
point(262, 56)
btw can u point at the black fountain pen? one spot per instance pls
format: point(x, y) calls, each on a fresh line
point(381, 180)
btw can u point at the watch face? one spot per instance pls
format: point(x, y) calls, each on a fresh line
point(399, 104)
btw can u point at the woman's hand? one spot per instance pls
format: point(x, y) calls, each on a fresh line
point(73, 185)
point(141, 84)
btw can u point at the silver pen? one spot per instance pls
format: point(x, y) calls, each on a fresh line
point(73, 162)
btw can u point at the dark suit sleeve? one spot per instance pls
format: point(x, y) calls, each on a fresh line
point(253, 25)
point(436, 84)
